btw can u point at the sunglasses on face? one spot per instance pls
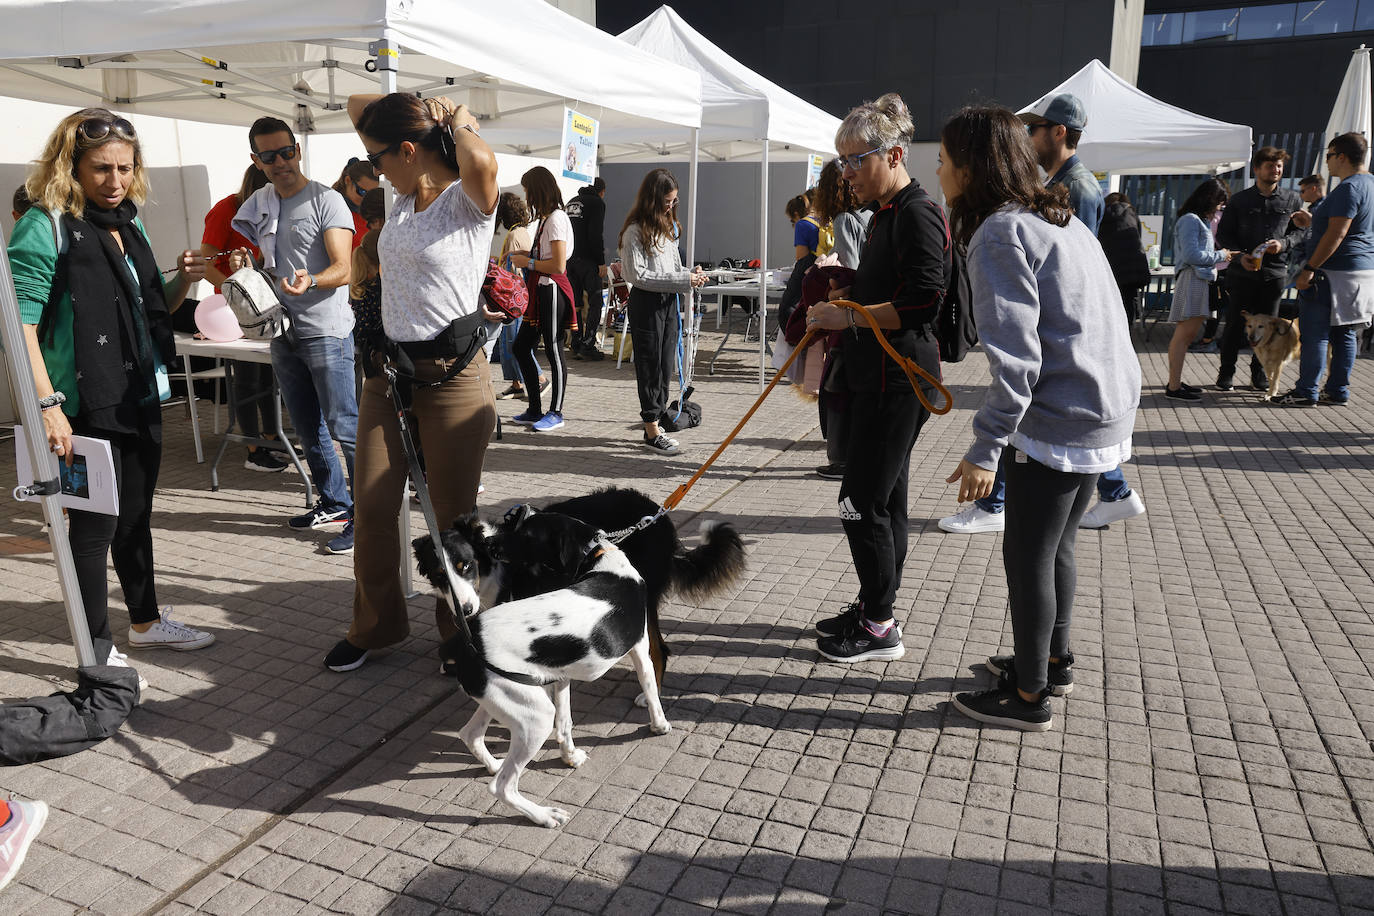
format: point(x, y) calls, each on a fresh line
point(269, 156)
point(856, 161)
point(376, 158)
point(1032, 128)
point(95, 129)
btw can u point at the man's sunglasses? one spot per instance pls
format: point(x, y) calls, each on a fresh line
point(269, 156)
point(376, 158)
point(1032, 128)
point(96, 129)
point(856, 161)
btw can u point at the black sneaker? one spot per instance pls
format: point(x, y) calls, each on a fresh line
point(1060, 673)
point(592, 353)
point(1196, 389)
point(1293, 399)
point(1259, 382)
point(342, 543)
point(1224, 383)
point(1326, 398)
point(319, 516)
point(831, 471)
point(1182, 394)
point(345, 657)
point(265, 461)
point(857, 644)
point(1002, 705)
point(841, 622)
point(662, 443)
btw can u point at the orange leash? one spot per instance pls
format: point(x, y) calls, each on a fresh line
point(908, 366)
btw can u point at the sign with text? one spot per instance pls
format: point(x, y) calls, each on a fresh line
point(579, 146)
point(813, 170)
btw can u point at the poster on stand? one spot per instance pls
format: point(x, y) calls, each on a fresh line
point(579, 146)
point(813, 170)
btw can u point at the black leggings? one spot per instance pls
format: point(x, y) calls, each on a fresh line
point(653, 328)
point(551, 303)
point(128, 537)
point(253, 394)
point(1043, 509)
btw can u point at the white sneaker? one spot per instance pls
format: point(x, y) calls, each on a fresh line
point(973, 520)
point(120, 660)
point(1103, 514)
point(26, 820)
point(169, 634)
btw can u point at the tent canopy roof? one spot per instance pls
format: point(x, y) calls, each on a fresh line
point(1132, 133)
point(233, 61)
point(740, 108)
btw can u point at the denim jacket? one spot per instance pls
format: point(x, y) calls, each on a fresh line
point(1194, 247)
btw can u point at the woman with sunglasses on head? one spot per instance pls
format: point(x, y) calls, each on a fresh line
point(433, 254)
point(97, 321)
point(653, 268)
point(900, 282)
point(1063, 396)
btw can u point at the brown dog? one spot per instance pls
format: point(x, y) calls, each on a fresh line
point(1274, 341)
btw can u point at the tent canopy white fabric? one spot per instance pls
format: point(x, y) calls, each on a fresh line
point(740, 108)
point(514, 63)
point(1351, 113)
point(1132, 133)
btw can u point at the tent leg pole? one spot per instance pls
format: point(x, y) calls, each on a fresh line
point(44, 464)
point(763, 266)
point(690, 335)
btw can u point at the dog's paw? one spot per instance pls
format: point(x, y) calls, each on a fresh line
point(642, 701)
point(661, 728)
point(576, 758)
point(550, 817)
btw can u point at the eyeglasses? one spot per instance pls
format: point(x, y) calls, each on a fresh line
point(856, 161)
point(95, 129)
point(376, 158)
point(1032, 128)
point(269, 156)
point(1329, 155)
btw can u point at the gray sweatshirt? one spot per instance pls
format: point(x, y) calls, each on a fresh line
point(659, 270)
point(1049, 317)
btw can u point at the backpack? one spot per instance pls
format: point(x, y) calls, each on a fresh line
point(955, 327)
point(505, 292)
point(252, 296)
point(825, 236)
point(686, 416)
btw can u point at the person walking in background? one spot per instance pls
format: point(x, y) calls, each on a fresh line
point(1259, 217)
point(900, 283)
point(551, 299)
point(1063, 398)
point(1195, 268)
point(95, 368)
point(357, 179)
point(653, 268)
point(513, 215)
point(314, 365)
point(433, 253)
point(587, 265)
point(1119, 234)
point(252, 381)
point(1336, 281)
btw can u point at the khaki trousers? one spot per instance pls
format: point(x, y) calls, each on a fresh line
point(454, 422)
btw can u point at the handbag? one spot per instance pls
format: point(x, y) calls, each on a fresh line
point(252, 295)
point(682, 415)
point(505, 292)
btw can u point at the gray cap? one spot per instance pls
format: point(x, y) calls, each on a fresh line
point(1065, 108)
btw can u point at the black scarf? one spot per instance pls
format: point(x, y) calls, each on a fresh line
point(116, 328)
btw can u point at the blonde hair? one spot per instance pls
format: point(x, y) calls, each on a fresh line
point(367, 265)
point(883, 124)
point(52, 183)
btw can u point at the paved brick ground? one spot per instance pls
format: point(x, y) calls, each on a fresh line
point(1215, 756)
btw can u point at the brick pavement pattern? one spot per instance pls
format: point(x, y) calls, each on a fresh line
point(1215, 756)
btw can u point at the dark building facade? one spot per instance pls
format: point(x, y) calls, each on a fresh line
point(938, 55)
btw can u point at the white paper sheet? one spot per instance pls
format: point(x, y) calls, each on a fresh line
point(89, 484)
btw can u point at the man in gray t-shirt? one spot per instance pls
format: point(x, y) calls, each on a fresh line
point(305, 232)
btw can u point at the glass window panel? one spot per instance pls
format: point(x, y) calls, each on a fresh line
point(1210, 25)
point(1274, 21)
point(1364, 20)
point(1325, 17)
point(1167, 28)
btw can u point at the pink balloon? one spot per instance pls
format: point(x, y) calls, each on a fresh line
point(216, 320)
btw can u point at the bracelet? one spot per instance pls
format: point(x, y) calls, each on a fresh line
point(851, 320)
point(470, 128)
point(55, 399)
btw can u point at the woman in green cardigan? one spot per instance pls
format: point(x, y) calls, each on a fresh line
point(96, 317)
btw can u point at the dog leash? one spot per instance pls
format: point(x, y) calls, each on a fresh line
point(909, 367)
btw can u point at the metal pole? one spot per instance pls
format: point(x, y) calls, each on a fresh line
point(763, 265)
point(44, 464)
point(690, 328)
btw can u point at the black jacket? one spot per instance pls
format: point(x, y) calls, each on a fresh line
point(1119, 234)
point(1251, 219)
point(905, 261)
point(587, 212)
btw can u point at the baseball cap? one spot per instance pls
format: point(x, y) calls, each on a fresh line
point(1065, 108)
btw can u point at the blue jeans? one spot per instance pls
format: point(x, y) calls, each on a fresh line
point(1111, 486)
point(510, 370)
point(318, 387)
point(1315, 331)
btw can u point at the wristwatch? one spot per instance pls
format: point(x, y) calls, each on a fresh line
point(313, 282)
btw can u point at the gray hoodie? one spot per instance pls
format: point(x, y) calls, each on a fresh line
point(1049, 317)
point(659, 270)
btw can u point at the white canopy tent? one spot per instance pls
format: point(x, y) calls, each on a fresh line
point(744, 116)
point(1132, 133)
point(1351, 113)
point(233, 61)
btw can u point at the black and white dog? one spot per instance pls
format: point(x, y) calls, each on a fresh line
point(524, 653)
